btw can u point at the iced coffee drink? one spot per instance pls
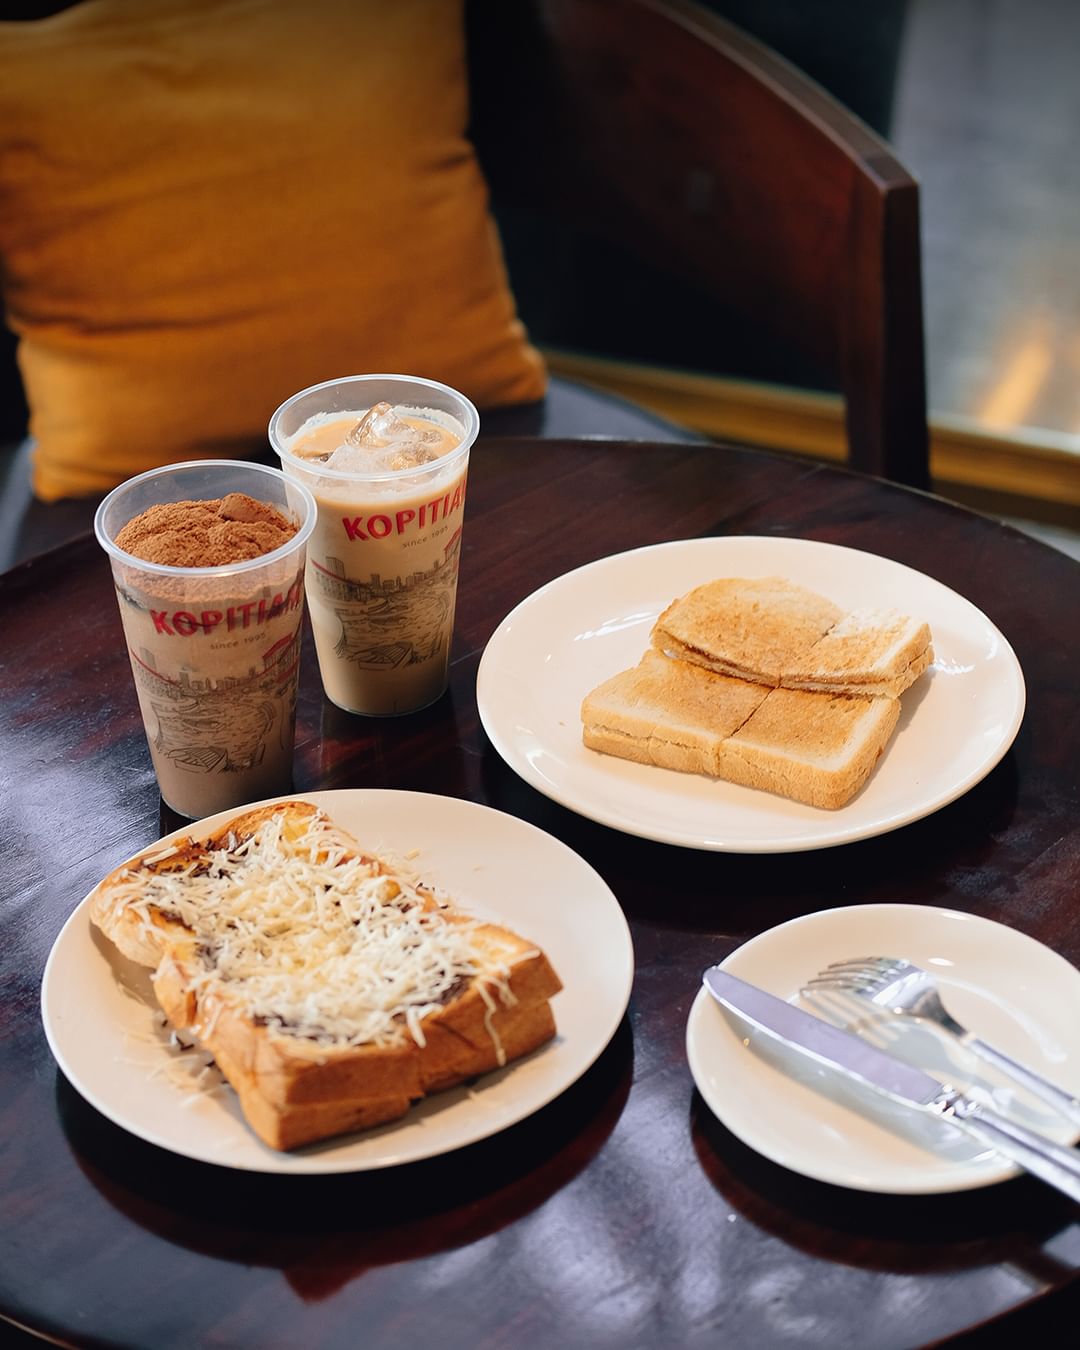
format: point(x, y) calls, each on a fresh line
point(208, 564)
point(386, 459)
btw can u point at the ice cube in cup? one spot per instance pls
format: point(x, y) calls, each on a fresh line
point(408, 456)
point(359, 459)
point(381, 426)
point(353, 459)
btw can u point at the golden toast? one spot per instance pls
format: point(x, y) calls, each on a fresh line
point(770, 631)
point(330, 989)
point(764, 683)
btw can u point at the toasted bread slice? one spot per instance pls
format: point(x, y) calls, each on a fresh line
point(773, 632)
point(667, 712)
point(750, 628)
point(813, 747)
point(298, 1125)
point(331, 991)
point(868, 651)
point(816, 748)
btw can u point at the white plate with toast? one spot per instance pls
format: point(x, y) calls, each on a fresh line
point(1005, 986)
point(956, 722)
point(106, 1030)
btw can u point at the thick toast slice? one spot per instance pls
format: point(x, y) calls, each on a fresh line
point(330, 989)
point(770, 631)
point(817, 748)
point(751, 628)
point(669, 713)
point(877, 652)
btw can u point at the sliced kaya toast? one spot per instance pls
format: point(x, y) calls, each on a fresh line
point(331, 990)
point(750, 628)
point(771, 631)
point(816, 748)
point(669, 713)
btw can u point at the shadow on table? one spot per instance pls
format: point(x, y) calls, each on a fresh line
point(322, 1231)
point(989, 1240)
point(743, 894)
point(1006, 1222)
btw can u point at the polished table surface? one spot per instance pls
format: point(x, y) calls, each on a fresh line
point(623, 1213)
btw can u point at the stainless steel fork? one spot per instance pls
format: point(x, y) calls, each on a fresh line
point(897, 986)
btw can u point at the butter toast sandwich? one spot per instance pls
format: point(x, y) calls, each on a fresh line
point(814, 747)
point(331, 990)
point(771, 631)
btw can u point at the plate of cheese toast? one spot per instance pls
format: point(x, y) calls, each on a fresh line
point(750, 694)
point(338, 981)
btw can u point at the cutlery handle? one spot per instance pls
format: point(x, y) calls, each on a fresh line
point(1050, 1162)
point(1066, 1103)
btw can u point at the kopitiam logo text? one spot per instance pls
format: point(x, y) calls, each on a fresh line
point(410, 519)
point(186, 623)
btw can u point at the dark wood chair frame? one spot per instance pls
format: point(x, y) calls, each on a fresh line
point(660, 126)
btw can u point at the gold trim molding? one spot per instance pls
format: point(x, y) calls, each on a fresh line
point(1039, 467)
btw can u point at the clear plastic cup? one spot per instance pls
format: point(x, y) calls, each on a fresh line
point(215, 651)
point(382, 565)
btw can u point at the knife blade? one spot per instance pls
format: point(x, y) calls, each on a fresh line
point(840, 1050)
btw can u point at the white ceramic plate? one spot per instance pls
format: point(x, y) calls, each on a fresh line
point(101, 1018)
point(552, 649)
point(1006, 987)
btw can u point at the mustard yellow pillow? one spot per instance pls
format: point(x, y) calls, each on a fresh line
point(206, 205)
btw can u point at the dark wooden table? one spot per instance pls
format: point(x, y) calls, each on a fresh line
point(622, 1214)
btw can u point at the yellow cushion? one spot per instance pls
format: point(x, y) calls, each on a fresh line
point(206, 205)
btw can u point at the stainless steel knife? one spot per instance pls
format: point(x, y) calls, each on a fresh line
point(841, 1050)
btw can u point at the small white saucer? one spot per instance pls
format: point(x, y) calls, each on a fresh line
point(1005, 986)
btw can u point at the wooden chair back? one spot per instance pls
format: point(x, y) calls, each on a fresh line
point(662, 127)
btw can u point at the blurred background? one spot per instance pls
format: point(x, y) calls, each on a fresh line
point(980, 100)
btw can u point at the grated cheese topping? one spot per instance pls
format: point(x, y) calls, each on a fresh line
point(312, 939)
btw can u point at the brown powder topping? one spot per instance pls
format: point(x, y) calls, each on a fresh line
point(213, 533)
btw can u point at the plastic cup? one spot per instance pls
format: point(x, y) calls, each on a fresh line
point(215, 651)
point(382, 565)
